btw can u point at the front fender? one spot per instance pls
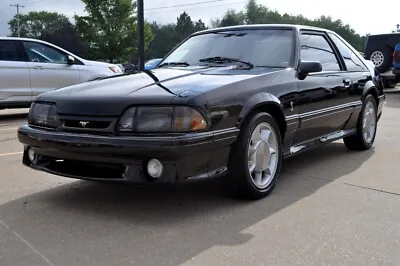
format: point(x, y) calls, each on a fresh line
point(256, 101)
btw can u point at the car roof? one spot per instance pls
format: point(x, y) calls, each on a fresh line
point(264, 26)
point(384, 34)
point(20, 39)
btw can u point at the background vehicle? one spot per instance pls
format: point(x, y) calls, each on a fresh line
point(30, 67)
point(152, 63)
point(379, 49)
point(149, 65)
point(207, 110)
point(396, 60)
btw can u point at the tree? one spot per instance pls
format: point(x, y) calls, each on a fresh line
point(110, 28)
point(166, 37)
point(255, 14)
point(259, 14)
point(66, 38)
point(184, 26)
point(232, 18)
point(35, 24)
point(199, 26)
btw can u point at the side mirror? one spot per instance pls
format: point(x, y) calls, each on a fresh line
point(70, 60)
point(307, 67)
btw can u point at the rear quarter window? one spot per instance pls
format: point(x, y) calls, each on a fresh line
point(351, 60)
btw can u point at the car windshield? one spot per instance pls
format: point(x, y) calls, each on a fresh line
point(261, 48)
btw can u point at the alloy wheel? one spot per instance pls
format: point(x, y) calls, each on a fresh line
point(369, 122)
point(263, 155)
point(377, 57)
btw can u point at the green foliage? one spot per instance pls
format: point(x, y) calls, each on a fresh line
point(259, 14)
point(67, 38)
point(109, 29)
point(166, 37)
point(35, 24)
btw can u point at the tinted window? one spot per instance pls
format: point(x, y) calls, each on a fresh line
point(9, 51)
point(317, 48)
point(38, 52)
point(263, 48)
point(353, 63)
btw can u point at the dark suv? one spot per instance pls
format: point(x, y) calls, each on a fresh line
point(379, 49)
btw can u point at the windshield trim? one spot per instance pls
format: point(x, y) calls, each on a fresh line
point(244, 30)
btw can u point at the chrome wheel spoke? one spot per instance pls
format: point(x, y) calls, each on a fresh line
point(252, 167)
point(265, 134)
point(258, 178)
point(256, 135)
point(268, 172)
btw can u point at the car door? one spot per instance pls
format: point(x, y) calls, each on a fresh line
point(322, 102)
point(15, 83)
point(49, 68)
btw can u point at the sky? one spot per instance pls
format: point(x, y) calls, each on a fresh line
point(360, 15)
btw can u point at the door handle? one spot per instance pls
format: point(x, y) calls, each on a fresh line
point(38, 67)
point(347, 83)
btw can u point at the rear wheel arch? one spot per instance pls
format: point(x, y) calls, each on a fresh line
point(271, 106)
point(370, 89)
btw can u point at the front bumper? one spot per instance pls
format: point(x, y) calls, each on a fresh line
point(124, 158)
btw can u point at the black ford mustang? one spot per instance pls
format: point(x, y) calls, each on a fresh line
point(229, 101)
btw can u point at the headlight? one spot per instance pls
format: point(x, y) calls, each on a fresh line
point(162, 119)
point(44, 115)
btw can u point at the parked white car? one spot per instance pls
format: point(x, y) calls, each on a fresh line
point(30, 67)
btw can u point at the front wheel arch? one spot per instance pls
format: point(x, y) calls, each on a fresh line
point(273, 109)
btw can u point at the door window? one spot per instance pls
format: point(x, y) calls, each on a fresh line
point(317, 48)
point(38, 52)
point(353, 63)
point(9, 51)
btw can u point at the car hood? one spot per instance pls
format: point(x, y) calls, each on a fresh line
point(97, 63)
point(110, 96)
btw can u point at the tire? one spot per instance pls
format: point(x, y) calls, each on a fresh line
point(382, 59)
point(360, 141)
point(389, 84)
point(240, 182)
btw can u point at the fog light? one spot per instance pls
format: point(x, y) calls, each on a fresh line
point(154, 168)
point(31, 155)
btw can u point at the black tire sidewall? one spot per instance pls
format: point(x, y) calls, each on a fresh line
point(238, 165)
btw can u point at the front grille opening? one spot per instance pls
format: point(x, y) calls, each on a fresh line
point(82, 169)
point(80, 124)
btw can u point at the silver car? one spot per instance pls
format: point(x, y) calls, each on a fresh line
point(30, 67)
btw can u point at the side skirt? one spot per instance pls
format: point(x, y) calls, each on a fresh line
point(313, 143)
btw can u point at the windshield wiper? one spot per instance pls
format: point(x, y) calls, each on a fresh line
point(221, 60)
point(174, 64)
